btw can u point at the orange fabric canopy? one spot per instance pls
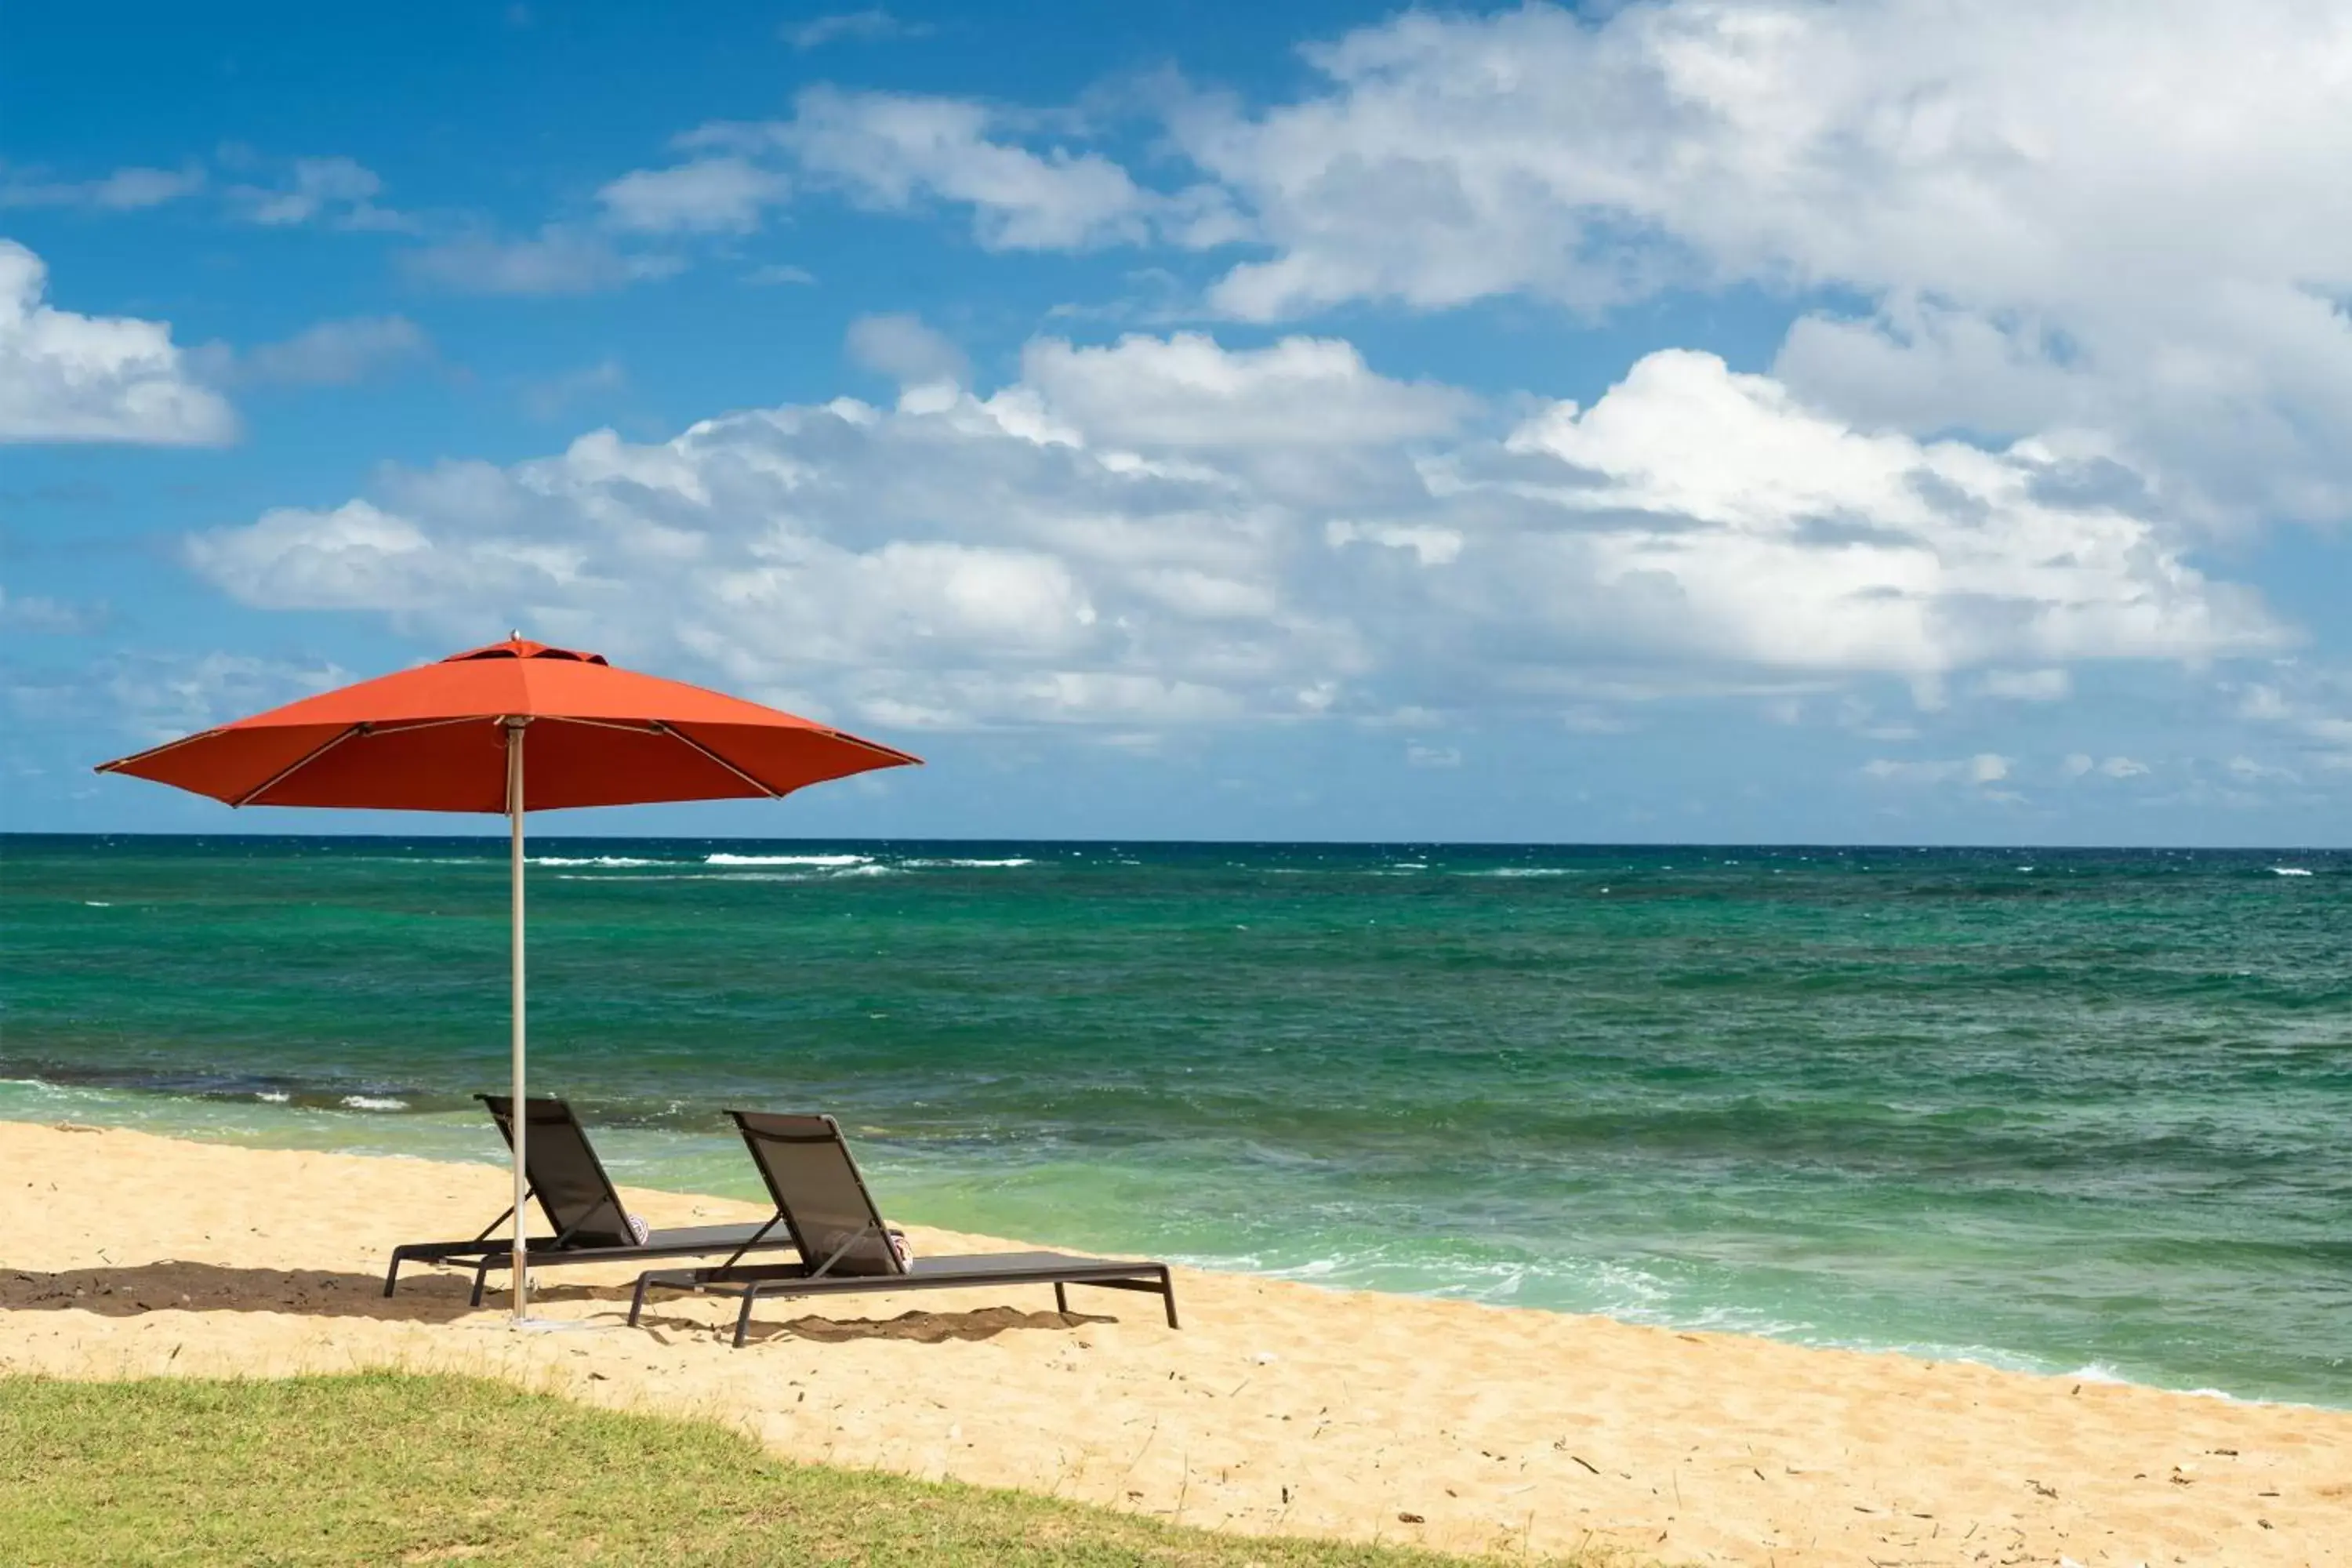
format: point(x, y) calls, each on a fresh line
point(433, 739)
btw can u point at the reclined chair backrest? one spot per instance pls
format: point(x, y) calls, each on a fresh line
point(564, 1174)
point(809, 1175)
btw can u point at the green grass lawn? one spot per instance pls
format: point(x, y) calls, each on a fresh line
point(389, 1468)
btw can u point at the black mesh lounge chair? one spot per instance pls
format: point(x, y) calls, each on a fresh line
point(579, 1201)
point(845, 1248)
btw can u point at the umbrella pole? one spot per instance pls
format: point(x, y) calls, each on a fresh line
point(521, 1259)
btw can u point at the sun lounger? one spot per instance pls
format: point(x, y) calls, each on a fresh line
point(578, 1199)
point(845, 1248)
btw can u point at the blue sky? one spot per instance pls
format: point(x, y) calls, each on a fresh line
point(1771, 421)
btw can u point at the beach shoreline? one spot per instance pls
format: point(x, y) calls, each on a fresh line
point(1662, 1086)
point(1279, 1407)
point(339, 1126)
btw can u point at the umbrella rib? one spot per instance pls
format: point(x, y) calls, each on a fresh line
point(659, 728)
point(304, 760)
point(876, 746)
point(120, 763)
point(402, 726)
point(632, 726)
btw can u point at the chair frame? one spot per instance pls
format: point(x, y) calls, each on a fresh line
point(970, 1271)
point(485, 1252)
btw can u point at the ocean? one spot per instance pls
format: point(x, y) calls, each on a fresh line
point(2077, 1111)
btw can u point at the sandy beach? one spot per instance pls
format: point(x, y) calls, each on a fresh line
point(1278, 1407)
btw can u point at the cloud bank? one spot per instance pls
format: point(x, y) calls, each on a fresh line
point(1165, 531)
point(2124, 217)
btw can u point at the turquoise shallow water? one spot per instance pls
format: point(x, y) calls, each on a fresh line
point(2066, 1110)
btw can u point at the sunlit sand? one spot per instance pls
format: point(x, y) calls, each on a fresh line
point(1277, 1407)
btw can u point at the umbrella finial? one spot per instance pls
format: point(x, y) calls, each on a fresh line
point(513, 636)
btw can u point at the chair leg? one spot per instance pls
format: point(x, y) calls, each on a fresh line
point(391, 1275)
point(743, 1317)
point(638, 1301)
point(1061, 1300)
point(1167, 1294)
point(482, 1275)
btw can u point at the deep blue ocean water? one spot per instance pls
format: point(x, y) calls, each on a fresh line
point(2081, 1111)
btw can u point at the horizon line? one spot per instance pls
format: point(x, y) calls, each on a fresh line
point(498, 837)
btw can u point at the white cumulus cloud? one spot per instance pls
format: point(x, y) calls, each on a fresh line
point(725, 195)
point(897, 152)
point(70, 377)
point(2124, 214)
point(1116, 538)
point(1743, 522)
point(2121, 217)
point(1185, 391)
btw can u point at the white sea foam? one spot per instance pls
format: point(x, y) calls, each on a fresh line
point(1524, 871)
point(373, 1103)
point(272, 1096)
point(2289, 871)
point(590, 860)
point(966, 865)
point(723, 858)
point(737, 876)
point(98, 903)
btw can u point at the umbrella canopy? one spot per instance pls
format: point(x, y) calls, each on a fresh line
point(453, 736)
point(434, 738)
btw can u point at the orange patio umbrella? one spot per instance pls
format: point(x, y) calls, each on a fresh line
point(451, 737)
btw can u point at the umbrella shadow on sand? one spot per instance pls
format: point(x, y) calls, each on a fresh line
point(131, 1291)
